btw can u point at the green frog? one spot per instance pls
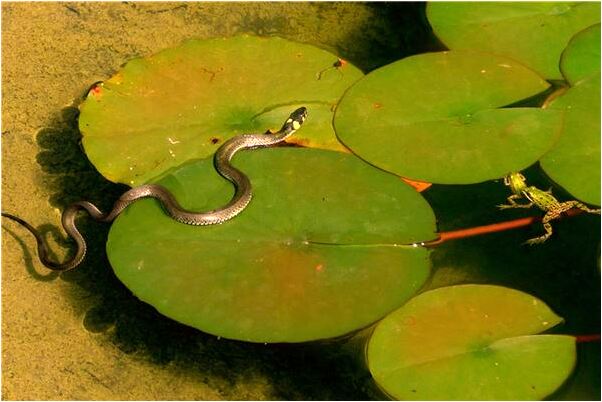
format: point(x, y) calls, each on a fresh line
point(544, 200)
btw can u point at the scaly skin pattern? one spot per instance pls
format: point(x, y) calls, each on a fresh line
point(543, 200)
point(222, 158)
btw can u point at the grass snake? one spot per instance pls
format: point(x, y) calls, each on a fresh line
point(222, 159)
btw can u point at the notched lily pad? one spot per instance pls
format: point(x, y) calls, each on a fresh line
point(534, 34)
point(574, 162)
point(435, 117)
point(470, 342)
point(296, 265)
point(182, 103)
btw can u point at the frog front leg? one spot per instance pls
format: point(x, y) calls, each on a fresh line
point(513, 203)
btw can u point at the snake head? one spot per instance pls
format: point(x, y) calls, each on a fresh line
point(299, 115)
point(295, 120)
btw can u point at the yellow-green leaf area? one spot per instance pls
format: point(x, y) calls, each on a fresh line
point(581, 58)
point(183, 103)
point(574, 162)
point(438, 117)
point(533, 33)
point(470, 342)
point(321, 250)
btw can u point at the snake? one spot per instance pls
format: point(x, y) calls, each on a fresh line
point(222, 158)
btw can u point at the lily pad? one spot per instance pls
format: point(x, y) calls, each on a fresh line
point(533, 33)
point(581, 58)
point(434, 117)
point(574, 162)
point(183, 103)
point(295, 265)
point(470, 342)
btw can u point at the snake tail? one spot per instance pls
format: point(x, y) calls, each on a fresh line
point(43, 250)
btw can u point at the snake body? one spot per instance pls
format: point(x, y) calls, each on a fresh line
point(221, 160)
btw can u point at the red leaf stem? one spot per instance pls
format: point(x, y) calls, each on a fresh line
point(587, 338)
point(492, 228)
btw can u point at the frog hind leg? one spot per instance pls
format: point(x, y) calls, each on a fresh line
point(538, 240)
point(513, 204)
point(585, 208)
point(549, 216)
point(554, 214)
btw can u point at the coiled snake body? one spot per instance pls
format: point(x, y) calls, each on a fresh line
point(222, 158)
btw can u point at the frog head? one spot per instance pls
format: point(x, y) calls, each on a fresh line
point(516, 182)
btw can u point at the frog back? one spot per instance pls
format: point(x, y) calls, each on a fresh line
point(544, 200)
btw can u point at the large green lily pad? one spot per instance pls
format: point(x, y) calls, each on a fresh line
point(574, 163)
point(470, 342)
point(434, 117)
point(581, 58)
point(318, 252)
point(533, 33)
point(184, 102)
